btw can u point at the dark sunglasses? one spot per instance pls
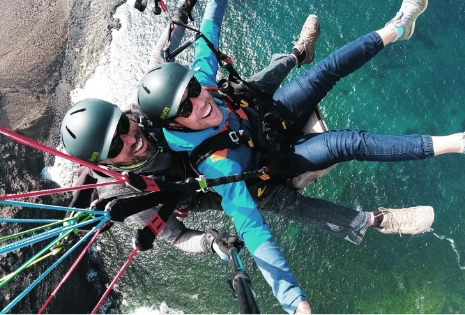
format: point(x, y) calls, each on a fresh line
point(117, 143)
point(185, 108)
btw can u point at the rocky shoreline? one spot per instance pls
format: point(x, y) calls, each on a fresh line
point(48, 48)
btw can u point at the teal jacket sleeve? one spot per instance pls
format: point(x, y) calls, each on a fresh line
point(236, 200)
point(237, 203)
point(205, 60)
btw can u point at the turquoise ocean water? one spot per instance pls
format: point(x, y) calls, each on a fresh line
point(416, 86)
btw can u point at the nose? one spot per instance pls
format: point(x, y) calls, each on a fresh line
point(128, 139)
point(196, 102)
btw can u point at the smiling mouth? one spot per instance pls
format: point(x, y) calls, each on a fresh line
point(138, 145)
point(208, 111)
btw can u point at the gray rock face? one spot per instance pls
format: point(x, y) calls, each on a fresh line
point(47, 49)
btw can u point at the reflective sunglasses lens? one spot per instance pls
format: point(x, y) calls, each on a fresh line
point(185, 109)
point(194, 88)
point(117, 143)
point(116, 147)
point(123, 125)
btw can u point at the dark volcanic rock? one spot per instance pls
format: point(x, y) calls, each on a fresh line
point(47, 49)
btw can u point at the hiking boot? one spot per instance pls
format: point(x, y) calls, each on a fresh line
point(307, 38)
point(413, 220)
point(407, 15)
point(183, 10)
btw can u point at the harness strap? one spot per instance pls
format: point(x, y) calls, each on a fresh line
point(151, 192)
point(223, 140)
point(123, 208)
point(144, 237)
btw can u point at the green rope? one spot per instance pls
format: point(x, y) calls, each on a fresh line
point(31, 260)
point(43, 227)
point(42, 254)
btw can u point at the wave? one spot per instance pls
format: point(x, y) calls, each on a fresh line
point(452, 243)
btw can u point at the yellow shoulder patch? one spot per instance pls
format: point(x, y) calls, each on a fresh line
point(261, 191)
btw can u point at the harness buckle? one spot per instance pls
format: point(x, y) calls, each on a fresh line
point(264, 175)
point(234, 137)
point(95, 205)
point(144, 122)
point(202, 183)
point(110, 205)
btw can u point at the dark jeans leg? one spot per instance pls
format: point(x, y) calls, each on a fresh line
point(343, 222)
point(270, 78)
point(297, 100)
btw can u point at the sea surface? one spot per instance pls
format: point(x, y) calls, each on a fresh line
point(414, 86)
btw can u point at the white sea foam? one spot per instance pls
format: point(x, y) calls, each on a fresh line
point(452, 243)
point(63, 172)
point(163, 309)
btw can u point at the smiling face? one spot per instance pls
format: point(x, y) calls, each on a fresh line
point(205, 113)
point(136, 147)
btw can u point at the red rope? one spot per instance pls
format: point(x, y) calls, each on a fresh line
point(118, 275)
point(71, 269)
point(163, 6)
point(120, 179)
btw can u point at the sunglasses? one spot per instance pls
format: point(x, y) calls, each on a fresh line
point(185, 108)
point(117, 143)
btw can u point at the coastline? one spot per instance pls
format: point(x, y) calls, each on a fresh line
point(48, 48)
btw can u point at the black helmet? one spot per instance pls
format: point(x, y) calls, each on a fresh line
point(88, 128)
point(161, 90)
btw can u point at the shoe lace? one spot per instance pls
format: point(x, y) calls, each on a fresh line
point(305, 36)
point(398, 17)
point(398, 219)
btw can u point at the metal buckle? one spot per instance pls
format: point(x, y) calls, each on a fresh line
point(234, 137)
point(110, 205)
point(144, 122)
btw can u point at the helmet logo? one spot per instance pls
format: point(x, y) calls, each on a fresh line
point(94, 156)
point(164, 113)
point(145, 88)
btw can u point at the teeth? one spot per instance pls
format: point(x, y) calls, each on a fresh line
point(139, 145)
point(209, 110)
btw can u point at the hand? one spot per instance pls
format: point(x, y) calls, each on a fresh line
point(183, 11)
point(221, 243)
point(143, 239)
point(226, 241)
point(187, 6)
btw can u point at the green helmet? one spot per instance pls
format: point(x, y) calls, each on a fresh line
point(161, 90)
point(88, 128)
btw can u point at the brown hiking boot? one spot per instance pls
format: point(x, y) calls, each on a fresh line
point(307, 38)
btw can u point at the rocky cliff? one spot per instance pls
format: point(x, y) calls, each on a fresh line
point(47, 48)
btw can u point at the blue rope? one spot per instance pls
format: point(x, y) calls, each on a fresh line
point(44, 235)
point(7, 220)
point(49, 207)
point(42, 276)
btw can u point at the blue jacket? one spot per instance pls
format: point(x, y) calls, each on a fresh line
point(236, 199)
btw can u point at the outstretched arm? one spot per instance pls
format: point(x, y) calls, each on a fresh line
point(237, 203)
point(204, 58)
point(172, 35)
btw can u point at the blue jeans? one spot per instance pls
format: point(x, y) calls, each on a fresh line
point(269, 79)
point(297, 100)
